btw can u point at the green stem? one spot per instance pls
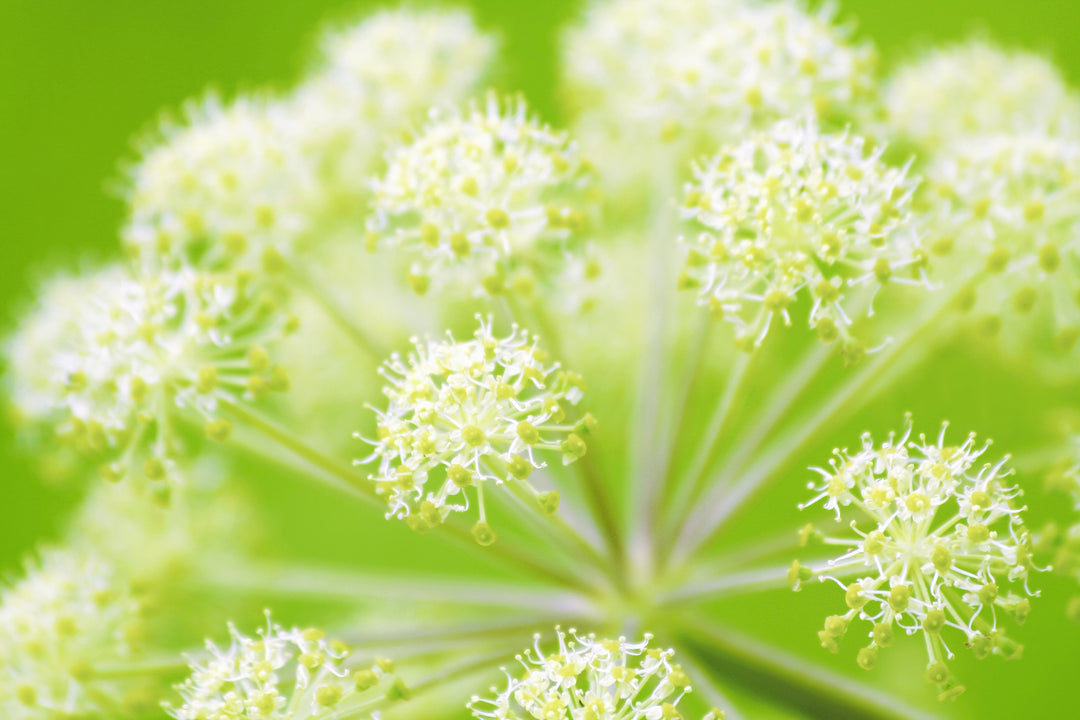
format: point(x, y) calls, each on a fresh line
point(722, 502)
point(596, 492)
point(349, 584)
point(345, 476)
point(707, 446)
point(657, 481)
point(333, 310)
point(785, 679)
point(572, 541)
point(355, 484)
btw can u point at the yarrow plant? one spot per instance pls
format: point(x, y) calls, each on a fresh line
point(393, 279)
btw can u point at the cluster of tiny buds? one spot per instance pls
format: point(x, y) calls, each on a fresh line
point(284, 674)
point(465, 414)
point(591, 679)
point(487, 193)
point(793, 211)
point(131, 356)
point(939, 547)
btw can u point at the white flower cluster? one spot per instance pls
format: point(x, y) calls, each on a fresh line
point(976, 88)
point(487, 190)
point(711, 70)
point(936, 544)
point(226, 188)
point(795, 211)
point(591, 679)
point(68, 619)
point(1008, 208)
point(283, 675)
point(464, 414)
point(128, 356)
point(375, 79)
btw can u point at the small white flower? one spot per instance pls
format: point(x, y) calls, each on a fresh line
point(377, 77)
point(282, 675)
point(975, 88)
point(590, 679)
point(486, 192)
point(684, 76)
point(224, 188)
point(795, 211)
point(465, 414)
point(1005, 209)
point(68, 616)
point(130, 356)
point(936, 546)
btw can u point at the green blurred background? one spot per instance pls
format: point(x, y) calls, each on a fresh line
point(80, 79)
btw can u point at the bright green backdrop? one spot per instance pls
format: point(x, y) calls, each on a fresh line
point(79, 79)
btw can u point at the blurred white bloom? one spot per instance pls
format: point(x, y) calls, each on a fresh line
point(936, 543)
point(1007, 207)
point(160, 548)
point(975, 88)
point(465, 414)
point(796, 211)
point(708, 71)
point(590, 679)
point(132, 356)
point(376, 78)
point(224, 188)
point(67, 619)
point(282, 675)
point(486, 191)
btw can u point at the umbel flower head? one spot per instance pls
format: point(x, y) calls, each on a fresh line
point(283, 675)
point(975, 88)
point(488, 193)
point(712, 70)
point(465, 414)
point(132, 358)
point(935, 545)
point(590, 679)
point(377, 77)
point(794, 211)
point(67, 620)
point(223, 188)
point(1006, 209)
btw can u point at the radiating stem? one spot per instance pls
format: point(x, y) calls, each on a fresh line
point(785, 679)
point(721, 503)
point(350, 584)
point(745, 582)
point(695, 477)
point(642, 443)
point(353, 482)
point(333, 310)
point(597, 495)
point(657, 481)
point(559, 530)
point(703, 681)
point(357, 485)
